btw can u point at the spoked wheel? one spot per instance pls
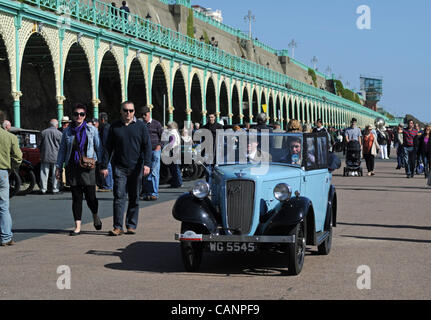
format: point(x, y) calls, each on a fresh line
point(191, 251)
point(165, 174)
point(28, 181)
point(189, 171)
point(14, 183)
point(296, 251)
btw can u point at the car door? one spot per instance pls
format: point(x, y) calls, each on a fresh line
point(316, 176)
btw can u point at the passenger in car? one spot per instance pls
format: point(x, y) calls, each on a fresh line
point(255, 155)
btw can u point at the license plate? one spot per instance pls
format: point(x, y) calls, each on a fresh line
point(232, 247)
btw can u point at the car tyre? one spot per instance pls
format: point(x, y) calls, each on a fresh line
point(325, 247)
point(14, 183)
point(165, 174)
point(296, 251)
point(28, 180)
point(191, 251)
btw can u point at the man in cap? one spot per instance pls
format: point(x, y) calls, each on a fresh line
point(65, 122)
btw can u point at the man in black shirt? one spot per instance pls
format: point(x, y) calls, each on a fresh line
point(212, 126)
point(125, 9)
point(128, 146)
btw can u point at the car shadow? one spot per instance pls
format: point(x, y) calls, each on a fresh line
point(387, 239)
point(165, 257)
point(386, 226)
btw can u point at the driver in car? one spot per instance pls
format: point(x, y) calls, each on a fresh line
point(294, 156)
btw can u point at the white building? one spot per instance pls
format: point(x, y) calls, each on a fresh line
point(216, 15)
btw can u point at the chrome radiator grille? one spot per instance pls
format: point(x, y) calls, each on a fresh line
point(240, 205)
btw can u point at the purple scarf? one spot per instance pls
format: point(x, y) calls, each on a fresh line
point(80, 134)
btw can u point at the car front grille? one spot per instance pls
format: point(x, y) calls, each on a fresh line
point(240, 205)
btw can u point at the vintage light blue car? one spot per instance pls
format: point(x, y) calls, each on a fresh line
point(267, 191)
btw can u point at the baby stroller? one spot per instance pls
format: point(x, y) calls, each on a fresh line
point(353, 159)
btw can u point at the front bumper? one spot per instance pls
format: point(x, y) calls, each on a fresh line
point(191, 236)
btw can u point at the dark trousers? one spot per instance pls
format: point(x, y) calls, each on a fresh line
point(177, 179)
point(427, 165)
point(369, 160)
point(127, 183)
point(410, 160)
point(78, 193)
point(400, 156)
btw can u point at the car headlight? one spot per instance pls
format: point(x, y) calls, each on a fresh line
point(282, 192)
point(201, 189)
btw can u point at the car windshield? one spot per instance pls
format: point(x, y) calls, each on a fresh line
point(259, 147)
point(27, 140)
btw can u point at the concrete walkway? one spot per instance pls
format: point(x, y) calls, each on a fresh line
point(383, 223)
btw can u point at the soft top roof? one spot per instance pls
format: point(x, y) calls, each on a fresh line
point(17, 130)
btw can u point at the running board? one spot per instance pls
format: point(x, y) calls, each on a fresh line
point(321, 236)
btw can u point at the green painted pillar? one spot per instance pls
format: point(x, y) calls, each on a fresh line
point(204, 100)
point(250, 101)
point(171, 106)
point(218, 98)
point(229, 102)
point(16, 112)
point(189, 97)
point(61, 97)
point(150, 79)
point(17, 94)
point(313, 112)
point(241, 101)
point(96, 100)
point(126, 73)
point(259, 98)
point(287, 109)
point(298, 105)
point(304, 111)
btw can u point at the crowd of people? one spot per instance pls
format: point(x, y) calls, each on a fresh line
point(124, 157)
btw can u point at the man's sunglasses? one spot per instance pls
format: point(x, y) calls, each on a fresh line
point(76, 114)
point(128, 110)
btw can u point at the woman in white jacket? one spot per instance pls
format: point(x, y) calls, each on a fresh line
point(175, 143)
point(370, 149)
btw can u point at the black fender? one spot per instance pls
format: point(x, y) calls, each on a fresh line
point(27, 164)
point(331, 207)
point(189, 209)
point(288, 214)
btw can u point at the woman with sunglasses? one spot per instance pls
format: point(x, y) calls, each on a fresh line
point(80, 140)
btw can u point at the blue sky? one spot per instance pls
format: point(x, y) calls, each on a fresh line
point(395, 47)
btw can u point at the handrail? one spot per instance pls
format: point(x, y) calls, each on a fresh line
point(104, 15)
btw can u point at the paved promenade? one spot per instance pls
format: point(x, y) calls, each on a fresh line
point(384, 222)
